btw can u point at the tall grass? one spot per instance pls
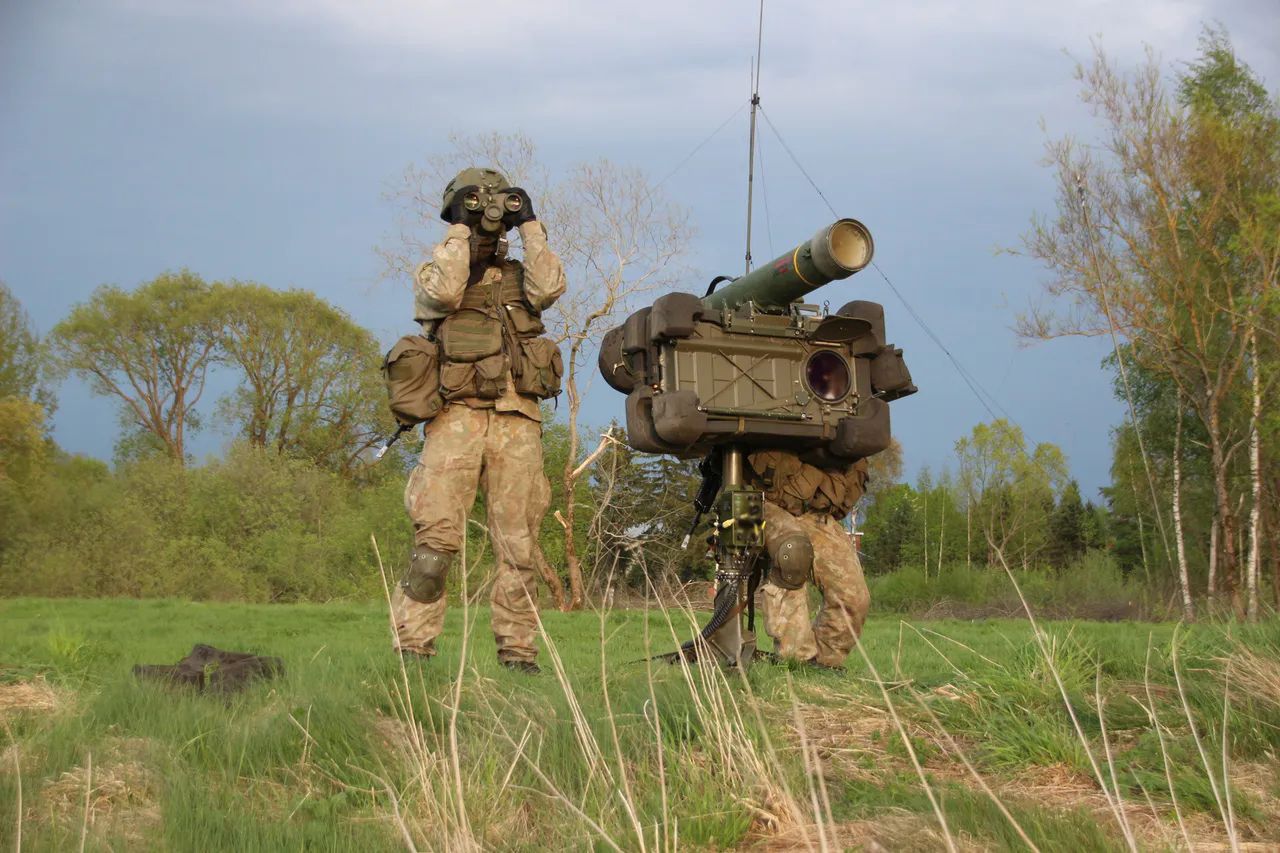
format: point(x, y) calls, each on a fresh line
point(940, 734)
point(1092, 588)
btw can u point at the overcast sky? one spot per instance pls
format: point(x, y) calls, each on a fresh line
point(255, 141)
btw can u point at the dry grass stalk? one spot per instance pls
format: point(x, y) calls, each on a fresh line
point(31, 697)
point(1154, 717)
point(628, 799)
point(1223, 810)
point(117, 797)
point(88, 790)
point(17, 773)
point(667, 840)
point(439, 783)
point(1256, 676)
point(726, 734)
point(812, 772)
point(951, 743)
point(906, 742)
point(1114, 799)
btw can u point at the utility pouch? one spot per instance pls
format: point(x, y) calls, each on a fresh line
point(491, 376)
point(469, 335)
point(854, 478)
point(786, 481)
point(485, 379)
point(803, 490)
point(541, 368)
point(526, 323)
point(411, 372)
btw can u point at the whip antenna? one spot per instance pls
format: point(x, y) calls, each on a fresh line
point(751, 148)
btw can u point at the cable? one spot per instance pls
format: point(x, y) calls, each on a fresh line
point(699, 147)
point(796, 160)
point(984, 397)
point(764, 193)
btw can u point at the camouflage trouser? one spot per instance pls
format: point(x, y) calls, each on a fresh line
point(466, 447)
point(838, 576)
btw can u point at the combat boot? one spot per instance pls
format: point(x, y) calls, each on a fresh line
point(824, 667)
point(528, 667)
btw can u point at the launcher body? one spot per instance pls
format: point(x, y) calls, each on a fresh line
point(750, 366)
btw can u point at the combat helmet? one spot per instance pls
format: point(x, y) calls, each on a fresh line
point(489, 180)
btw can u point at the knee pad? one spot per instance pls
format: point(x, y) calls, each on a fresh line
point(791, 561)
point(424, 579)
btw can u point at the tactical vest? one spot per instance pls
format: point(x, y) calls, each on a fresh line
point(799, 487)
point(469, 355)
point(493, 334)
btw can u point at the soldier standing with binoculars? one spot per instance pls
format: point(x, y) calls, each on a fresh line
point(480, 313)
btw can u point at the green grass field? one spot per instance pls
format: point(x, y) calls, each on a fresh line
point(963, 738)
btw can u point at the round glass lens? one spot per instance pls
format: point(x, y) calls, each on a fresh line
point(827, 375)
point(512, 203)
point(471, 201)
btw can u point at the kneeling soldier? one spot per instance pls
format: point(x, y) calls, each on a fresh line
point(806, 542)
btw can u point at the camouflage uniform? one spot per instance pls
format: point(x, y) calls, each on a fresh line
point(494, 442)
point(813, 506)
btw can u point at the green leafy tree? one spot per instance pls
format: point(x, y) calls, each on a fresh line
point(1167, 237)
point(150, 348)
point(1011, 489)
point(310, 375)
point(24, 404)
point(891, 531)
point(1067, 535)
point(21, 358)
point(1096, 526)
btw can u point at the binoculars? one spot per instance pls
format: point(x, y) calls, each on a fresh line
point(490, 210)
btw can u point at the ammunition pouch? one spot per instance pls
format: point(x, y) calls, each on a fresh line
point(524, 322)
point(799, 487)
point(469, 335)
point(485, 379)
point(539, 368)
point(493, 334)
point(790, 560)
point(425, 577)
point(411, 372)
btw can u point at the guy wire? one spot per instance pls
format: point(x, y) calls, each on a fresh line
point(764, 194)
point(979, 392)
point(699, 147)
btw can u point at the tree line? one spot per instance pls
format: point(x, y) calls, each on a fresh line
point(1002, 495)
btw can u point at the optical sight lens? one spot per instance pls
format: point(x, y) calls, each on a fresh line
point(827, 375)
point(512, 203)
point(471, 201)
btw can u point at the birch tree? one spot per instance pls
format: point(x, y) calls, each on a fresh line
point(1146, 241)
point(1011, 489)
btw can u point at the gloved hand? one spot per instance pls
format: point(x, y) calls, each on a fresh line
point(457, 213)
point(525, 214)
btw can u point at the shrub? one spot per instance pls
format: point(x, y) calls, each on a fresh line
point(1092, 587)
